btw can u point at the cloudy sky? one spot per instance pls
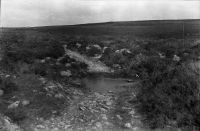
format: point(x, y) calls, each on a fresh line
point(18, 13)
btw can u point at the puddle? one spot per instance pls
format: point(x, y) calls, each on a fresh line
point(103, 85)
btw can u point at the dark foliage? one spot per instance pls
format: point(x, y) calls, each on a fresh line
point(169, 94)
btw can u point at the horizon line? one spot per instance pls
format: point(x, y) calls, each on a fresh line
point(97, 23)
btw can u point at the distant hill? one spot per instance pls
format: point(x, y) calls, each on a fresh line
point(152, 28)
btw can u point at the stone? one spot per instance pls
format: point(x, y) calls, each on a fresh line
point(132, 112)
point(176, 58)
point(119, 117)
point(67, 65)
point(1, 92)
point(48, 58)
point(7, 76)
point(66, 73)
point(42, 61)
point(67, 126)
point(78, 45)
point(104, 117)
point(25, 102)
point(40, 126)
point(59, 95)
point(127, 125)
point(56, 129)
point(14, 105)
point(108, 103)
point(162, 56)
point(135, 129)
point(98, 125)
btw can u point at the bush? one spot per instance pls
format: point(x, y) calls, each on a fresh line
point(16, 115)
point(169, 93)
point(7, 85)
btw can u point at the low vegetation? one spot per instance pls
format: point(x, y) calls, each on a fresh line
point(168, 94)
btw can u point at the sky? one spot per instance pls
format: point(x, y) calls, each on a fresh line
point(29, 13)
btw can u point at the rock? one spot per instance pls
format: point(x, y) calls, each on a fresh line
point(42, 61)
point(42, 80)
point(117, 51)
point(117, 66)
point(59, 95)
point(127, 125)
point(125, 51)
point(14, 105)
point(7, 76)
point(162, 56)
point(103, 109)
point(108, 103)
point(7, 125)
point(67, 126)
point(57, 63)
point(135, 129)
point(67, 65)
point(25, 102)
point(176, 58)
point(82, 108)
point(48, 58)
point(56, 129)
point(1, 92)
point(66, 73)
point(104, 117)
point(78, 45)
point(119, 117)
point(98, 125)
point(132, 112)
point(40, 126)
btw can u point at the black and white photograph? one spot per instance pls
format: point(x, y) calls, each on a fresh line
point(99, 65)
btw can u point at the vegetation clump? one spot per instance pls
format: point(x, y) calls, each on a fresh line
point(169, 94)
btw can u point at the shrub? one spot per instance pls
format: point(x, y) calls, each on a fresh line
point(169, 93)
point(16, 115)
point(7, 85)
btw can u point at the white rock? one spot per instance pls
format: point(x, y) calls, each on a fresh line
point(66, 73)
point(48, 58)
point(135, 129)
point(161, 55)
point(7, 76)
point(132, 112)
point(56, 129)
point(40, 126)
point(78, 45)
point(59, 95)
point(104, 117)
point(25, 102)
point(176, 58)
point(14, 105)
point(117, 51)
point(97, 46)
point(108, 103)
point(1, 92)
point(99, 125)
point(127, 125)
point(119, 117)
point(42, 61)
